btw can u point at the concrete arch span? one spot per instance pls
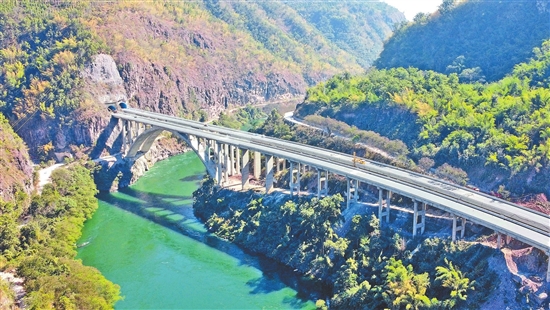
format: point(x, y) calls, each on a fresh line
point(143, 143)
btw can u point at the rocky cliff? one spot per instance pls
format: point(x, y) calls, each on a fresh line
point(16, 172)
point(193, 68)
point(181, 58)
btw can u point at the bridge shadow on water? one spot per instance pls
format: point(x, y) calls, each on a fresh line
point(175, 212)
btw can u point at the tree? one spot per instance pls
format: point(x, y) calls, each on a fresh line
point(470, 75)
point(446, 6)
point(453, 279)
point(426, 163)
point(457, 66)
point(404, 287)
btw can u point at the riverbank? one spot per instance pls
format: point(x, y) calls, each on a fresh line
point(146, 239)
point(240, 217)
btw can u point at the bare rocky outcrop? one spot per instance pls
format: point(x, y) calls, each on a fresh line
point(210, 88)
point(84, 126)
point(16, 171)
point(103, 81)
point(16, 285)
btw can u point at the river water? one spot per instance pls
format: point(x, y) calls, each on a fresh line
point(146, 239)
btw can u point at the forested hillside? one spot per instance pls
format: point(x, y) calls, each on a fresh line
point(356, 27)
point(499, 132)
point(38, 242)
point(190, 59)
point(478, 39)
point(365, 267)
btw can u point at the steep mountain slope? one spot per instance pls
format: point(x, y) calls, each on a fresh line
point(15, 167)
point(190, 59)
point(491, 35)
point(499, 132)
point(358, 28)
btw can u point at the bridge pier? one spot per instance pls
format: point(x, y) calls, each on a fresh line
point(269, 173)
point(294, 185)
point(219, 166)
point(277, 164)
point(226, 165)
point(381, 212)
point(460, 228)
point(322, 183)
point(129, 131)
point(245, 172)
point(232, 169)
point(206, 150)
point(257, 164)
point(548, 268)
point(353, 188)
point(422, 214)
point(238, 160)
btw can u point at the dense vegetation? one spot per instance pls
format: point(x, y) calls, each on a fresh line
point(503, 126)
point(42, 52)
point(38, 240)
point(477, 39)
point(304, 31)
point(244, 118)
point(339, 23)
point(182, 58)
point(367, 266)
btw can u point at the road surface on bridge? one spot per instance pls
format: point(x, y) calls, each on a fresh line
point(518, 222)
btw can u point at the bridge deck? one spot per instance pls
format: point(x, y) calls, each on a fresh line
point(521, 223)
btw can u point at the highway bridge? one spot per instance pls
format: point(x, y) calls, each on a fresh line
point(228, 152)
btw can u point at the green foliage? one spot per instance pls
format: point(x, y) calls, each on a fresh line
point(298, 31)
point(274, 126)
point(227, 121)
point(455, 281)
point(344, 23)
point(43, 249)
point(369, 268)
point(42, 52)
point(6, 295)
point(484, 46)
point(453, 174)
point(502, 125)
point(404, 288)
point(244, 118)
point(394, 148)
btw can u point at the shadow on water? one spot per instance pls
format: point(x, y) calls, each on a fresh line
point(175, 212)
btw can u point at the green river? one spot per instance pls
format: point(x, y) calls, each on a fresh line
point(146, 239)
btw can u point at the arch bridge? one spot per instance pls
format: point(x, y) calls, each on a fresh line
point(226, 152)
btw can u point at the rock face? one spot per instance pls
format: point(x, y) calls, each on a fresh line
point(193, 66)
point(170, 91)
point(16, 172)
point(103, 80)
